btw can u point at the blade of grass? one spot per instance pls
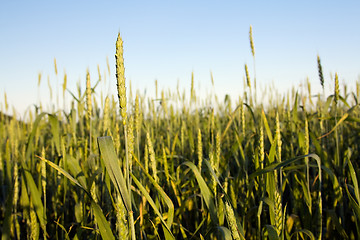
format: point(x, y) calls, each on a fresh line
point(343, 118)
point(166, 227)
point(101, 221)
point(205, 192)
point(354, 181)
point(162, 193)
point(54, 122)
point(107, 151)
point(227, 198)
point(278, 165)
point(35, 195)
point(266, 124)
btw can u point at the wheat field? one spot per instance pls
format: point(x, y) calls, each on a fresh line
point(182, 166)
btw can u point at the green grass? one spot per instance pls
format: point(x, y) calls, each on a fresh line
point(178, 169)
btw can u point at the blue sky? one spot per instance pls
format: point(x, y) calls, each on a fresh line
point(167, 40)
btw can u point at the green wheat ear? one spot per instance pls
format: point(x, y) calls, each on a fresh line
point(88, 95)
point(120, 77)
point(278, 212)
point(321, 76)
point(230, 216)
point(6, 102)
point(200, 149)
point(251, 42)
point(64, 84)
point(247, 76)
point(55, 67)
point(39, 79)
point(152, 157)
point(106, 125)
point(261, 144)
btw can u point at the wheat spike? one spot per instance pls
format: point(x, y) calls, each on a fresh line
point(278, 137)
point(199, 149)
point(247, 76)
point(121, 222)
point(278, 212)
point(106, 115)
point(321, 76)
point(230, 216)
point(88, 95)
point(120, 76)
point(251, 42)
point(152, 157)
point(55, 67)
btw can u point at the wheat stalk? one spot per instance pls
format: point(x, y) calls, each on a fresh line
point(166, 167)
point(121, 90)
point(261, 144)
point(130, 141)
point(336, 91)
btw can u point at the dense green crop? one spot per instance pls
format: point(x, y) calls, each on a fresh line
point(179, 169)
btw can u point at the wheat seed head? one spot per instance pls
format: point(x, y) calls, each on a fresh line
point(247, 76)
point(120, 76)
point(321, 76)
point(88, 94)
point(251, 42)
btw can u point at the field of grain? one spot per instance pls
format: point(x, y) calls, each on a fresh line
point(183, 167)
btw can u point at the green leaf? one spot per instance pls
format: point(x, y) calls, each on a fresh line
point(75, 170)
point(295, 109)
point(166, 228)
point(335, 220)
point(266, 124)
point(338, 194)
point(272, 152)
point(107, 152)
point(354, 181)
point(54, 122)
point(227, 198)
point(343, 118)
point(65, 173)
point(205, 192)
point(35, 196)
point(251, 112)
point(101, 221)
point(278, 165)
point(306, 232)
point(162, 193)
point(272, 232)
point(6, 226)
point(302, 181)
point(29, 142)
point(225, 233)
point(353, 203)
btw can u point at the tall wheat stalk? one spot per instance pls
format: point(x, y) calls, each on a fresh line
point(252, 46)
point(120, 76)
